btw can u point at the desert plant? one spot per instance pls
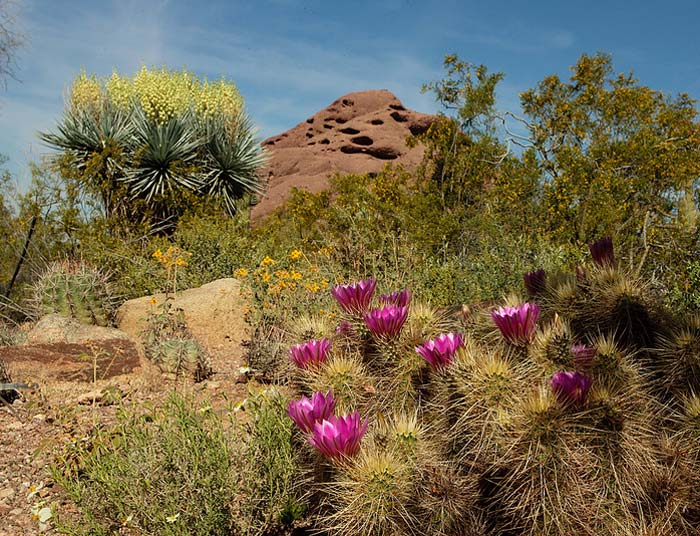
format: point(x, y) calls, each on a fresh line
point(73, 289)
point(171, 346)
point(166, 471)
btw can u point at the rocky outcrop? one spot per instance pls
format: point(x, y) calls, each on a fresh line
point(358, 133)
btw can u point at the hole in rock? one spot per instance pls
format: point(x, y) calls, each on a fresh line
point(325, 141)
point(310, 120)
point(362, 140)
point(347, 102)
point(396, 107)
point(377, 122)
point(349, 130)
point(417, 129)
point(399, 118)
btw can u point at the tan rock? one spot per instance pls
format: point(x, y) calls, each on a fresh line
point(213, 312)
point(58, 329)
point(358, 133)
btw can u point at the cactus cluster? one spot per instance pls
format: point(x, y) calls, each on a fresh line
point(171, 346)
point(73, 289)
point(576, 412)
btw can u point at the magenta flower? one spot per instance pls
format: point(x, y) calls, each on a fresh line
point(517, 324)
point(387, 321)
point(355, 298)
point(440, 351)
point(306, 413)
point(602, 251)
point(310, 353)
point(344, 328)
point(399, 298)
point(571, 386)
point(535, 282)
point(339, 437)
point(583, 355)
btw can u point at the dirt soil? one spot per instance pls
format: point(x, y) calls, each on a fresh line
point(66, 404)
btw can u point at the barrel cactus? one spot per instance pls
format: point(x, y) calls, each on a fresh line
point(73, 289)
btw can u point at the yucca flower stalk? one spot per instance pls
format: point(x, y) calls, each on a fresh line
point(440, 351)
point(307, 412)
point(355, 298)
point(310, 354)
point(400, 298)
point(602, 251)
point(386, 323)
point(339, 437)
point(517, 324)
point(571, 387)
point(535, 282)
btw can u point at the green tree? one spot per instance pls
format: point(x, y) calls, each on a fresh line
point(145, 148)
point(613, 153)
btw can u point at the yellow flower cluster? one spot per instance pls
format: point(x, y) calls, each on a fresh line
point(161, 93)
point(173, 257)
point(276, 281)
point(86, 93)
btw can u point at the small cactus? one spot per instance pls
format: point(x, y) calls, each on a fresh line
point(182, 355)
point(73, 289)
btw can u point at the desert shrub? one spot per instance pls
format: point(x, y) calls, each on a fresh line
point(164, 471)
point(272, 480)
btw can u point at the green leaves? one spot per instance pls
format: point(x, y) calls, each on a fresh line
point(144, 169)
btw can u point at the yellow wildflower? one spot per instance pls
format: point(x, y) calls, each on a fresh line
point(295, 254)
point(240, 273)
point(295, 275)
point(154, 301)
point(267, 261)
point(266, 277)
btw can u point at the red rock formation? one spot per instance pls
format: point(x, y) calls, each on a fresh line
point(358, 133)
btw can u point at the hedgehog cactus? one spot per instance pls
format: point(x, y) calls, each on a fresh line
point(74, 290)
point(181, 355)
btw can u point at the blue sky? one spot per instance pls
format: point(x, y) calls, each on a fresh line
point(290, 58)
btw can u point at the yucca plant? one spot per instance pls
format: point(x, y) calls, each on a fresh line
point(155, 143)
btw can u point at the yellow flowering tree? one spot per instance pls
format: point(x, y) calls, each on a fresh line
point(147, 146)
point(612, 152)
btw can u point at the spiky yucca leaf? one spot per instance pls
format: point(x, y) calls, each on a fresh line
point(234, 156)
point(164, 156)
point(84, 132)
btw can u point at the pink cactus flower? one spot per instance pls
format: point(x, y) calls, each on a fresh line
point(535, 282)
point(583, 356)
point(307, 412)
point(400, 298)
point(387, 321)
point(345, 329)
point(339, 437)
point(571, 387)
point(310, 353)
point(440, 351)
point(355, 298)
point(517, 324)
point(602, 251)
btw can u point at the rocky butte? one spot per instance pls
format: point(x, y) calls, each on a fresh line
point(358, 133)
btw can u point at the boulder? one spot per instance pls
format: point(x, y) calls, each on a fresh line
point(214, 314)
point(358, 133)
